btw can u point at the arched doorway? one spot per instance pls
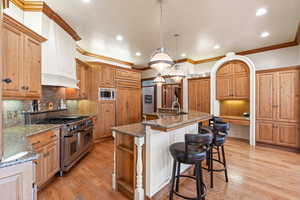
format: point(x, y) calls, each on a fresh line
point(215, 104)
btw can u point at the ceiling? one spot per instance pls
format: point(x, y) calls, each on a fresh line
point(202, 24)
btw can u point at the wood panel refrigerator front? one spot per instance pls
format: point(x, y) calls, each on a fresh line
point(277, 97)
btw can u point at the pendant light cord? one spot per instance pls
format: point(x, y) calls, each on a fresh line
point(161, 26)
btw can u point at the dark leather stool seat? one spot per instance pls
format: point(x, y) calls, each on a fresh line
point(195, 154)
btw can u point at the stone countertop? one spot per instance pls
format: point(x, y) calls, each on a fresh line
point(16, 148)
point(173, 121)
point(136, 130)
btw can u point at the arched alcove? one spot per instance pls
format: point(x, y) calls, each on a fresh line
point(215, 104)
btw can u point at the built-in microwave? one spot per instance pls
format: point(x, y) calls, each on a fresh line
point(107, 94)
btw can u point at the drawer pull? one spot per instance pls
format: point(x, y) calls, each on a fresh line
point(38, 142)
point(53, 136)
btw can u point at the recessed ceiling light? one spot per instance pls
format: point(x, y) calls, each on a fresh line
point(217, 47)
point(183, 55)
point(86, 1)
point(264, 34)
point(138, 54)
point(119, 37)
point(261, 12)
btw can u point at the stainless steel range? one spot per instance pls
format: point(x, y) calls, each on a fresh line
point(76, 139)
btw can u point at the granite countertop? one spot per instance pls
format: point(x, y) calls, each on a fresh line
point(136, 130)
point(172, 121)
point(16, 149)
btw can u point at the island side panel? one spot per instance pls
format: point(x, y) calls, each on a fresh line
point(159, 160)
point(126, 157)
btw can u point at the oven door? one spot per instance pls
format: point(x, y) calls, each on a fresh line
point(86, 139)
point(71, 148)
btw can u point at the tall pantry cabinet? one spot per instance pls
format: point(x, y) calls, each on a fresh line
point(126, 108)
point(199, 95)
point(277, 107)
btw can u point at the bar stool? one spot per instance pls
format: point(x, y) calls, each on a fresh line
point(220, 131)
point(193, 151)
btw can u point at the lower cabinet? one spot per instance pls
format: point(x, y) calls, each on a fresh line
point(279, 133)
point(46, 144)
point(16, 182)
point(105, 119)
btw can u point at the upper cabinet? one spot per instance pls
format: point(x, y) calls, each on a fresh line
point(22, 61)
point(199, 95)
point(83, 73)
point(277, 95)
point(233, 81)
point(107, 76)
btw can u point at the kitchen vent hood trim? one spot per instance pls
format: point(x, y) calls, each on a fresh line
point(59, 80)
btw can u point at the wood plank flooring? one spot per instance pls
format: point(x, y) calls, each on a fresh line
point(260, 173)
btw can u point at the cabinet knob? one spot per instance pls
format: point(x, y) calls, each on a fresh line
point(23, 88)
point(7, 80)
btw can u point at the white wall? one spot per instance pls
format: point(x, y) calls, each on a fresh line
point(284, 57)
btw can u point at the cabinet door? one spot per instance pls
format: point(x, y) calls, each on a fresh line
point(134, 106)
point(12, 61)
point(241, 86)
point(108, 114)
point(287, 105)
point(108, 76)
point(204, 95)
point(264, 132)
point(51, 157)
point(287, 134)
point(224, 87)
point(265, 96)
point(240, 68)
point(39, 167)
point(32, 67)
point(193, 95)
point(226, 70)
point(122, 106)
point(83, 81)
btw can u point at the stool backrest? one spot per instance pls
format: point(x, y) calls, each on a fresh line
point(193, 141)
point(222, 127)
point(214, 120)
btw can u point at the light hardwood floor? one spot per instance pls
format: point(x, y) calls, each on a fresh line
point(260, 173)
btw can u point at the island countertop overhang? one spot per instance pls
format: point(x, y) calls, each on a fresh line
point(167, 122)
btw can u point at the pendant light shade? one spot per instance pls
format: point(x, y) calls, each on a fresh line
point(160, 60)
point(159, 80)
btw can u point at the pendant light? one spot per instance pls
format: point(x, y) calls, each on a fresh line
point(159, 80)
point(176, 73)
point(160, 59)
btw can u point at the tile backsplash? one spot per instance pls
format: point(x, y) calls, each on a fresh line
point(13, 109)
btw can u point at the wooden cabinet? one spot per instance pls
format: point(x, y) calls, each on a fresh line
point(277, 96)
point(46, 144)
point(233, 81)
point(22, 61)
point(83, 74)
point(108, 76)
point(284, 134)
point(16, 182)
point(277, 100)
point(128, 106)
point(199, 95)
point(105, 119)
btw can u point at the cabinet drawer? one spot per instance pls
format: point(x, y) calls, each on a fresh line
point(43, 138)
point(129, 75)
point(128, 84)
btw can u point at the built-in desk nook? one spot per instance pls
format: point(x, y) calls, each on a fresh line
point(142, 162)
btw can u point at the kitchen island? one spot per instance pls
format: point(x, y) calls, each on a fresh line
point(142, 162)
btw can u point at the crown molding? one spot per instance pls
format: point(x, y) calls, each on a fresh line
point(17, 25)
point(41, 6)
point(101, 57)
